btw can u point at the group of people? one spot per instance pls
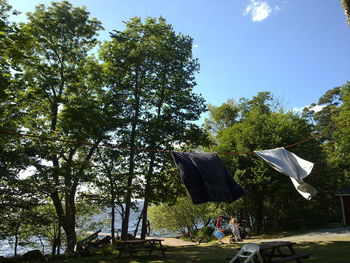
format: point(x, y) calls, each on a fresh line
point(234, 226)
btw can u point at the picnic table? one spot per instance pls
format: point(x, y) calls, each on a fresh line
point(280, 252)
point(133, 246)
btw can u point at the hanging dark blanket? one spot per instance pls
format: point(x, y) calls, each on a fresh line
point(206, 178)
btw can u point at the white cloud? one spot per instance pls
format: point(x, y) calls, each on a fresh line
point(317, 108)
point(195, 46)
point(258, 10)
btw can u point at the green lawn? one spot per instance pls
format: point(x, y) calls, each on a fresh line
point(322, 252)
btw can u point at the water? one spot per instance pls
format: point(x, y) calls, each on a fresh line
point(102, 220)
point(7, 248)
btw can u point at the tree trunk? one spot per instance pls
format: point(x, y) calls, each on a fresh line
point(112, 191)
point(147, 196)
point(144, 218)
point(113, 220)
point(16, 238)
point(125, 219)
point(16, 244)
point(59, 239)
point(54, 246)
point(67, 218)
point(70, 218)
point(42, 245)
point(258, 211)
point(137, 225)
point(71, 237)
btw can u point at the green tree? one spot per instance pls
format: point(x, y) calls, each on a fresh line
point(346, 6)
point(12, 153)
point(331, 121)
point(151, 68)
point(261, 124)
point(63, 97)
point(221, 117)
point(338, 150)
point(182, 216)
point(5, 33)
point(50, 230)
point(19, 206)
point(109, 185)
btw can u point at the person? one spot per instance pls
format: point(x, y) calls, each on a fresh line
point(218, 224)
point(234, 225)
point(218, 233)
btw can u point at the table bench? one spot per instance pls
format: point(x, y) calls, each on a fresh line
point(280, 252)
point(138, 245)
point(291, 258)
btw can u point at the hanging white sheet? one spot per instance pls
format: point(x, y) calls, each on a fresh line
point(292, 165)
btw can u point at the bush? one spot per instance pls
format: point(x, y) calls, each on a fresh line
point(205, 234)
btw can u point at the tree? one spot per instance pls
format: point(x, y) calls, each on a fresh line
point(19, 206)
point(222, 117)
point(150, 69)
point(346, 6)
point(259, 125)
point(5, 32)
point(182, 216)
point(63, 97)
point(332, 123)
point(338, 149)
point(14, 200)
point(109, 184)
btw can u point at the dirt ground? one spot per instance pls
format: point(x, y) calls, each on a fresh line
point(333, 234)
point(175, 242)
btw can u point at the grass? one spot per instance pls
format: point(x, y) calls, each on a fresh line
point(322, 252)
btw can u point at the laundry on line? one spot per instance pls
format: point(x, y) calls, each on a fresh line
point(206, 178)
point(291, 165)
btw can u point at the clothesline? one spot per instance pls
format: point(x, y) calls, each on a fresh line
point(114, 146)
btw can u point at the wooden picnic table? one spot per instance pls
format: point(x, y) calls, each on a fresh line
point(280, 252)
point(133, 246)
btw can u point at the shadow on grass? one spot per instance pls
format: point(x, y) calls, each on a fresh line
point(326, 251)
point(322, 252)
point(203, 253)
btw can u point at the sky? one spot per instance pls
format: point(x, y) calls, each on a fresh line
point(296, 49)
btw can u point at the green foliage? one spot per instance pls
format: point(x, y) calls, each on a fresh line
point(141, 96)
point(346, 6)
point(149, 71)
point(271, 199)
point(331, 122)
point(337, 148)
point(182, 216)
point(61, 97)
point(221, 117)
point(205, 234)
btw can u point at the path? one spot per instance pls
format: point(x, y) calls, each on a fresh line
point(175, 242)
point(330, 234)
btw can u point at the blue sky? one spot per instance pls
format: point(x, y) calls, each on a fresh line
point(296, 49)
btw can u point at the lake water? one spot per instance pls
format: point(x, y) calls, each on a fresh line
point(7, 250)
